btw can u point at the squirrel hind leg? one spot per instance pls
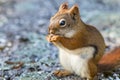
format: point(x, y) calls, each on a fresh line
point(62, 73)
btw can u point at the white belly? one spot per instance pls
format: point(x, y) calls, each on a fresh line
point(76, 61)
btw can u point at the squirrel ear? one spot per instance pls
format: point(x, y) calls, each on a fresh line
point(63, 6)
point(74, 12)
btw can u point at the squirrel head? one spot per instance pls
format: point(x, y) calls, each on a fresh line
point(65, 21)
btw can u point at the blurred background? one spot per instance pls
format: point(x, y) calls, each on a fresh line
point(24, 52)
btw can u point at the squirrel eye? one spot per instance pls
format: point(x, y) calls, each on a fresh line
point(62, 22)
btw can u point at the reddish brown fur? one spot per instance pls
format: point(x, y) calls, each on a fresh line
point(92, 68)
point(110, 61)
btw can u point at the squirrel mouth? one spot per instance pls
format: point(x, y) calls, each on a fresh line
point(56, 34)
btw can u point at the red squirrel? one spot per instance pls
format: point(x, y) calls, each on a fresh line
point(81, 46)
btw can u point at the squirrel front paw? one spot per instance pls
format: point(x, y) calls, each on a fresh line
point(53, 38)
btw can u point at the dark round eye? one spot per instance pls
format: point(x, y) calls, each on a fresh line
point(62, 22)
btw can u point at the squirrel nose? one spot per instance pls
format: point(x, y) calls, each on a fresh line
point(52, 31)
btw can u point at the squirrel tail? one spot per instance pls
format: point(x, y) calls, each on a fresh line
point(110, 61)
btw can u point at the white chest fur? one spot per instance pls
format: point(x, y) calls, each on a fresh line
point(73, 62)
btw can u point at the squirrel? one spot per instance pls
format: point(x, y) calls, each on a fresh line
point(81, 46)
